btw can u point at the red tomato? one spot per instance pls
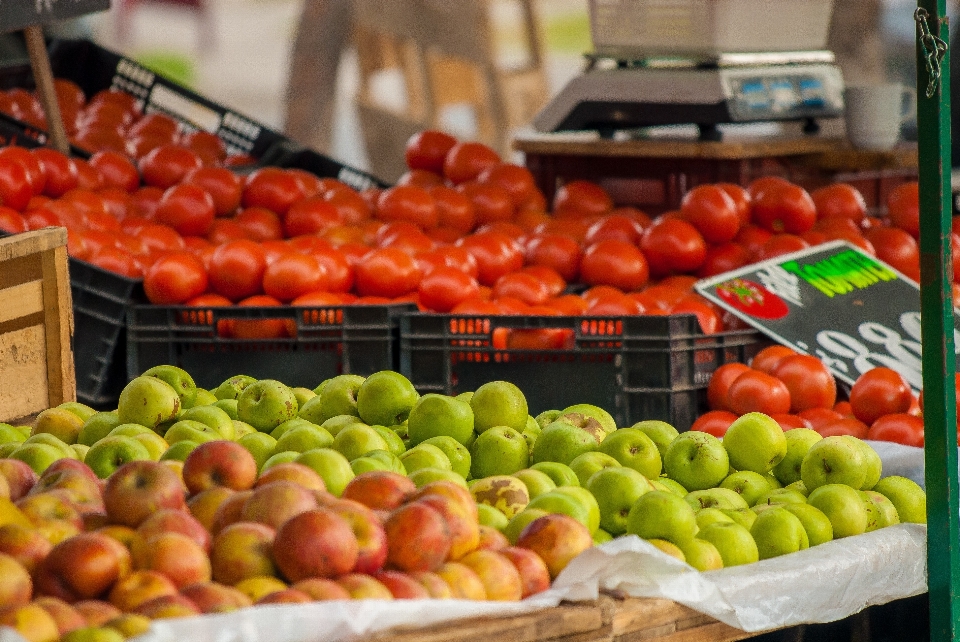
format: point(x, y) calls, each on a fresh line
point(446, 287)
point(117, 170)
point(408, 203)
point(846, 426)
point(273, 189)
point(714, 422)
point(515, 179)
point(614, 263)
point(224, 230)
point(789, 422)
point(711, 210)
point(175, 278)
point(454, 210)
point(224, 187)
point(11, 221)
point(29, 162)
point(615, 307)
point(523, 286)
point(780, 244)
point(723, 258)
point(810, 383)
point(495, 254)
point(161, 238)
point(491, 203)
point(839, 200)
point(387, 272)
point(155, 123)
point(310, 216)
point(878, 392)
point(167, 165)
point(146, 200)
point(261, 328)
point(673, 246)
point(752, 239)
point(708, 316)
point(260, 224)
point(556, 251)
point(788, 208)
point(900, 428)
point(770, 357)
point(339, 272)
point(15, 188)
point(581, 198)
point(207, 146)
point(351, 207)
point(741, 198)
point(427, 150)
point(898, 248)
point(186, 208)
point(719, 383)
point(568, 305)
point(450, 256)
point(618, 228)
point(417, 177)
point(118, 261)
point(903, 208)
point(764, 183)
point(844, 408)
point(572, 227)
point(293, 275)
point(818, 417)
point(755, 391)
point(465, 161)
point(236, 269)
point(554, 282)
point(117, 202)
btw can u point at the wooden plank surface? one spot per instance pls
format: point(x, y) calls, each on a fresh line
point(23, 373)
point(58, 320)
point(12, 247)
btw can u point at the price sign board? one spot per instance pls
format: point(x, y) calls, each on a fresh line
point(19, 14)
point(852, 310)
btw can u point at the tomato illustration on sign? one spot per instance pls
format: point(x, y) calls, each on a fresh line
point(752, 298)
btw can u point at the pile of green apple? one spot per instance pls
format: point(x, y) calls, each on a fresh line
point(759, 493)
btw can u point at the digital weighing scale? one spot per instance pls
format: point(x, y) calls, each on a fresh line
point(615, 95)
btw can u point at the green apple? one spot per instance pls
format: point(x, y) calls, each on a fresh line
point(154, 443)
point(882, 512)
point(530, 435)
point(439, 415)
point(799, 441)
point(385, 398)
point(715, 498)
point(216, 418)
point(81, 451)
point(843, 507)
point(232, 387)
point(177, 378)
point(536, 481)
point(872, 466)
point(331, 465)
point(605, 418)
point(357, 440)
point(198, 397)
point(290, 424)
point(424, 476)
point(833, 460)
point(490, 516)
point(634, 449)
point(260, 445)
point(697, 460)
point(734, 543)
point(425, 456)
point(6, 450)
point(9, 434)
point(459, 456)
point(662, 515)
point(616, 490)
point(601, 536)
point(303, 438)
point(755, 442)
point(557, 502)
point(562, 442)
point(303, 395)
point(362, 465)
point(266, 404)
point(229, 406)
point(707, 516)
point(499, 450)
point(393, 462)
point(394, 442)
point(110, 453)
point(670, 485)
point(701, 554)
point(179, 451)
point(148, 401)
point(37, 456)
point(335, 424)
point(743, 516)
point(747, 484)
point(279, 458)
point(586, 423)
point(498, 403)
point(241, 429)
point(547, 417)
point(97, 427)
point(907, 497)
point(59, 422)
point(660, 432)
point(561, 474)
point(24, 430)
point(779, 496)
point(465, 396)
point(81, 410)
point(50, 440)
point(798, 486)
point(519, 522)
point(815, 523)
point(191, 431)
point(129, 430)
point(336, 396)
point(587, 464)
point(778, 532)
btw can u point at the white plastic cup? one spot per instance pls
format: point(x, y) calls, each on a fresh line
point(874, 114)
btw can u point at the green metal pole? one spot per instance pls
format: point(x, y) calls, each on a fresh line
point(936, 306)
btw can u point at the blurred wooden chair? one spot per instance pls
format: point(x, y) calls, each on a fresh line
point(206, 33)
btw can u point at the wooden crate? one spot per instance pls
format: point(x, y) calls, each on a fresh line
point(36, 324)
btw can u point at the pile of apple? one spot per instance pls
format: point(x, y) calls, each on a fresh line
point(799, 391)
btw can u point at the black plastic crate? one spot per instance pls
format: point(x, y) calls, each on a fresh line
point(636, 367)
point(329, 340)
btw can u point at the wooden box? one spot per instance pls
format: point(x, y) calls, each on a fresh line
point(36, 324)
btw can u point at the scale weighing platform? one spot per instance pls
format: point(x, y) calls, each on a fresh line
point(735, 88)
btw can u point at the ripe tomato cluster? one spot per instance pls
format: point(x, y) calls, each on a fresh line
point(798, 391)
point(112, 120)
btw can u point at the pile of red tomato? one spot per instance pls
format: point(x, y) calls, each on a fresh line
point(800, 392)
